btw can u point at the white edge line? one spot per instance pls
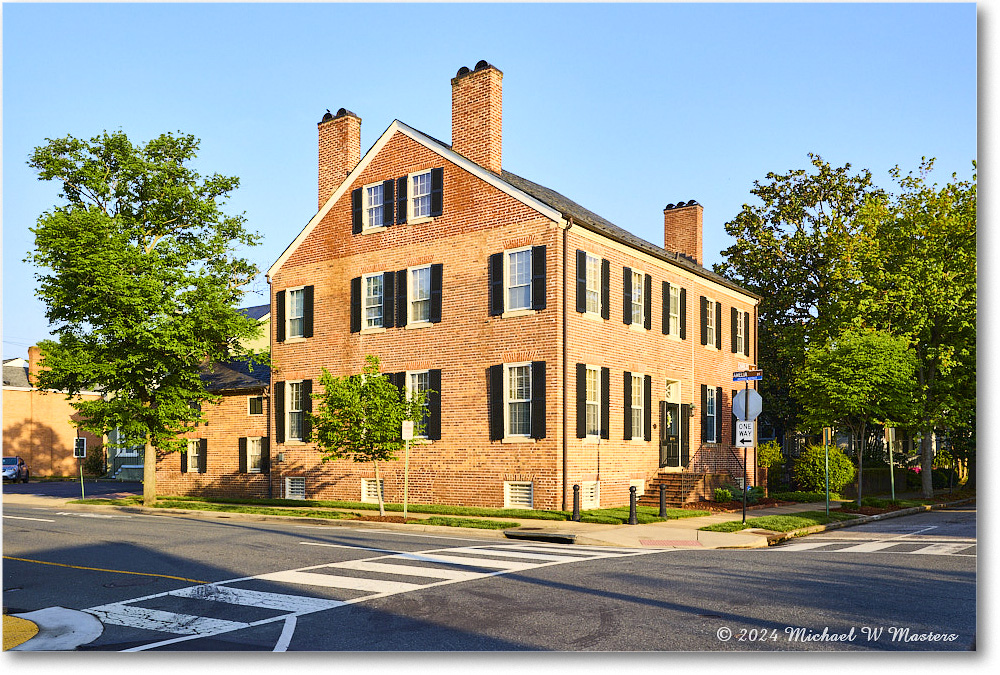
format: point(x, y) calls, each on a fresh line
point(40, 520)
point(286, 635)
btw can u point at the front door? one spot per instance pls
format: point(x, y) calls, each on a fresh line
point(670, 435)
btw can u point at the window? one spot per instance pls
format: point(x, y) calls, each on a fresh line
point(593, 401)
point(420, 294)
point(295, 488)
point(637, 299)
point(419, 382)
point(194, 445)
point(518, 495)
point(711, 414)
point(675, 310)
point(593, 277)
point(518, 400)
point(711, 318)
point(710, 325)
point(194, 460)
point(373, 205)
point(519, 279)
point(256, 405)
point(636, 406)
point(739, 344)
point(370, 490)
point(374, 289)
point(593, 284)
point(420, 195)
point(296, 312)
point(295, 407)
point(254, 454)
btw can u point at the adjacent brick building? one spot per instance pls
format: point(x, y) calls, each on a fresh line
point(561, 349)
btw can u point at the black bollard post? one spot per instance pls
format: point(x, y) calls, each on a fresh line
point(632, 519)
point(663, 500)
point(576, 503)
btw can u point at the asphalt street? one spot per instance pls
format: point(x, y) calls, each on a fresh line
point(187, 583)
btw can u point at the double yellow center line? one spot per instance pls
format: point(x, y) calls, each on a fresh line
point(100, 569)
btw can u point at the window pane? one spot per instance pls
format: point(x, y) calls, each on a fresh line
point(637, 396)
point(421, 200)
point(373, 301)
point(295, 410)
point(296, 304)
point(253, 454)
point(593, 403)
point(520, 419)
point(637, 298)
point(257, 405)
point(519, 400)
point(420, 292)
point(374, 204)
point(593, 272)
point(519, 280)
point(675, 310)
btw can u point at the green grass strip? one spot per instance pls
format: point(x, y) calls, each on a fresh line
point(469, 522)
point(259, 510)
point(781, 523)
point(805, 497)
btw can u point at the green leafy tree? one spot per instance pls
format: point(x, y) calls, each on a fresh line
point(796, 249)
point(141, 283)
point(360, 417)
point(920, 275)
point(809, 469)
point(860, 378)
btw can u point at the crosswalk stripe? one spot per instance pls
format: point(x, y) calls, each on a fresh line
point(334, 581)
point(515, 554)
point(509, 565)
point(941, 549)
point(158, 620)
point(243, 596)
point(803, 545)
point(577, 550)
point(868, 547)
point(409, 570)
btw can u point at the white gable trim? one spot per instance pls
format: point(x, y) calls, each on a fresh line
point(431, 145)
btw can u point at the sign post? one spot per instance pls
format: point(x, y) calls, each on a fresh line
point(746, 404)
point(407, 436)
point(827, 438)
point(890, 442)
point(80, 452)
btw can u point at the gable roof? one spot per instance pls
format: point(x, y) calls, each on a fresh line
point(236, 375)
point(547, 202)
point(257, 313)
point(15, 374)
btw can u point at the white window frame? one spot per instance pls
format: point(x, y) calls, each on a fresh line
point(592, 275)
point(193, 452)
point(675, 310)
point(593, 401)
point(367, 207)
point(411, 200)
point(411, 299)
point(740, 333)
point(508, 401)
point(410, 376)
point(250, 400)
point(255, 449)
point(368, 490)
point(638, 392)
point(507, 255)
point(711, 411)
point(710, 326)
point(513, 491)
point(289, 411)
point(364, 302)
point(590, 495)
point(290, 294)
point(638, 299)
point(295, 487)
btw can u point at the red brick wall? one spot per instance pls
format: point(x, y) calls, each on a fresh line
point(37, 426)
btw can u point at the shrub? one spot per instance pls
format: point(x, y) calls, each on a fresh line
point(723, 495)
point(93, 463)
point(769, 455)
point(913, 480)
point(810, 469)
point(941, 476)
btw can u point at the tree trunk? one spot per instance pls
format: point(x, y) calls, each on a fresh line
point(970, 467)
point(149, 474)
point(926, 464)
point(378, 489)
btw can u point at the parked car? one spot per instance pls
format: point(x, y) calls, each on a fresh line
point(14, 469)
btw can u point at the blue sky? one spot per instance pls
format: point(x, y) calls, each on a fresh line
point(622, 108)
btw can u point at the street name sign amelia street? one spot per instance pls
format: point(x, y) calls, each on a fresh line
point(748, 375)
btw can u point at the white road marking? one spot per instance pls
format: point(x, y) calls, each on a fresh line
point(941, 549)
point(803, 545)
point(121, 614)
point(242, 596)
point(334, 581)
point(360, 548)
point(868, 547)
point(40, 520)
point(286, 635)
point(88, 515)
point(514, 554)
point(470, 562)
point(408, 570)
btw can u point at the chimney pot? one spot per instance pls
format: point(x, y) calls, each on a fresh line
point(682, 227)
point(477, 115)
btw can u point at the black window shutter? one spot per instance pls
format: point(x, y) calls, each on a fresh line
point(402, 304)
point(398, 380)
point(718, 325)
point(184, 462)
point(203, 455)
point(581, 400)
point(647, 407)
point(388, 299)
point(437, 191)
point(388, 202)
point(243, 455)
point(647, 303)
point(685, 434)
point(704, 320)
point(437, 281)
point(279, 314)
point(307, 311)
point(495, 394)
point(496, 284)
point(628, 405)
point(307, 407)
point(581, 281)
point(538, 277)
point(265, 456)
point(538, 399)
point(401, 199)
point(718, 414)
point(746, 333)
point(605, 403)
point(605, 289)
point(684, 313)
point(433, 429)
point(666, 308)
point(704, 413)
point(355, 305)
point(279, 411)
point(734, 317)
point(627, 295)
point(356, 211)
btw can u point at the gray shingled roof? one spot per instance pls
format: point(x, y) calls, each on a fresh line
point(257, 312)
point(236, 376)
point(15, 376)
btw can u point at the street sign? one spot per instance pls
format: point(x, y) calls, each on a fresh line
point(747, 404)
point(748, 375)
point(744, 434)
point(407, 430)
point(80, 448)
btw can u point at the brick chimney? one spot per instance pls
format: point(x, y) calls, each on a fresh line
point(477, 115)
point(34, 363)
point(339, 150)
point(682, 229)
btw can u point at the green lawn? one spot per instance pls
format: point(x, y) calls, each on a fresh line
point(782, 523)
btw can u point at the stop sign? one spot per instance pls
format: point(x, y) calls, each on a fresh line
point(746, 404)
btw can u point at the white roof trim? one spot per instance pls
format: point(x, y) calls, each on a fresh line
point(431, 145)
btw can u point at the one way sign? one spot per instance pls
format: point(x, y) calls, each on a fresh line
point(744, 434)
